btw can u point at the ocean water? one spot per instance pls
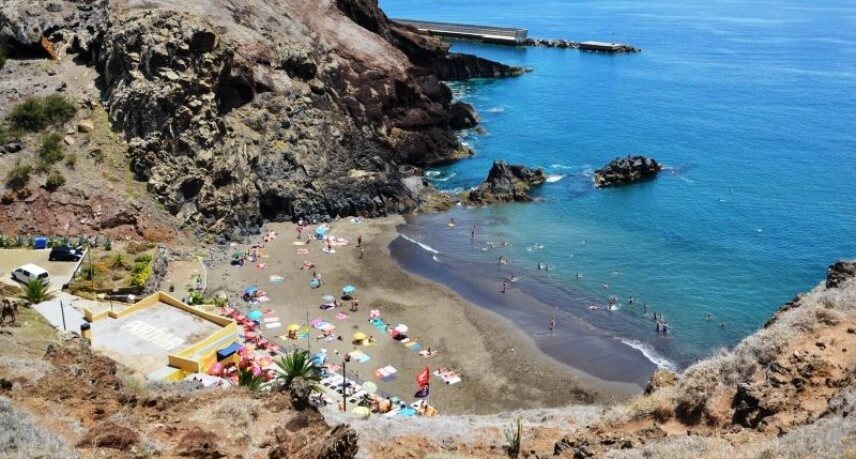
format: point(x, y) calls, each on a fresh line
point(751, 106)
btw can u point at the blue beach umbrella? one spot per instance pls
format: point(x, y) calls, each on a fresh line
point(319, 358)
point(349, 289)
point(255, 315)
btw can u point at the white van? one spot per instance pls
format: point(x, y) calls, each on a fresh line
point(30, 272)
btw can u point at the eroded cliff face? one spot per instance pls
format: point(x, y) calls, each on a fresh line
point(240, 112)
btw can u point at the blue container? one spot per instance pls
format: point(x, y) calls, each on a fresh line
point(40, 242)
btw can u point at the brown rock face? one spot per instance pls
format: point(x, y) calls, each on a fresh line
point(199, 443)
point(241, 112)
point(109, 435)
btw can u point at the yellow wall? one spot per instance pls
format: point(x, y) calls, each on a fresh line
point(199, 356)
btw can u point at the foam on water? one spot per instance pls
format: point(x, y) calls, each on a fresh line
point(650, 354)
point(426, 247)
point(553, 178)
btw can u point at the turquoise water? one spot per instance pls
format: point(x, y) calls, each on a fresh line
point(751, 105)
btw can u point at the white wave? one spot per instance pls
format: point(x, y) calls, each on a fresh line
point(431, 173)
point(434, 257)
point(560, 166)
point(440, 177)
point(650, 354)
point(686, 179)
point(553, 178)
point(495, 110)
point(427, 247)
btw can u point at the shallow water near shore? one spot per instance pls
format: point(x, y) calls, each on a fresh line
point(749, 105)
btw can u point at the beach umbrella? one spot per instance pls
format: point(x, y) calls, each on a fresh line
point(359, 336)
point(255, 315)
point(362, 411)
point(370, 387)
point(401, 328)
point(251, 290)
point(349, 289)
point(327, 299)
point(293, 327)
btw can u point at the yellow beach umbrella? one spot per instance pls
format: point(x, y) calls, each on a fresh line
point(293, 327)
point(359, 336)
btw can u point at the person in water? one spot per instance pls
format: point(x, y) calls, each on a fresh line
point(552, 324)
point(473, 233)
point(579, 276)
point(504, 285)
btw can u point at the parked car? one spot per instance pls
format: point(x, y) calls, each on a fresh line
point(65, 254)
point(30, 272)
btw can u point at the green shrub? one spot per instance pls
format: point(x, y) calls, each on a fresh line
point(141, 273)
point(19, 176)
point(50, 150)
point(2, 57)
point(108, 244)
point(144, 258)
point(70, 160)
point(5, 136)
point(37, 113)
point(54, 180)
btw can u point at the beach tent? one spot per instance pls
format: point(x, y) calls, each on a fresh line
point(349, 289)
point(293, 327)
point(319, 358)
point(255, 315)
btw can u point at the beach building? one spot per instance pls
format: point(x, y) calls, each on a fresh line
point(162, 337)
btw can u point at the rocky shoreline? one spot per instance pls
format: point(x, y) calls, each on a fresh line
point(568, 44)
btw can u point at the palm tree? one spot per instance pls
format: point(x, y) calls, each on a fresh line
point(247, 379)
point(298, 365)
point(36, 291)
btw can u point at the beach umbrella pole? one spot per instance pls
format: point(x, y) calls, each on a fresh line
point(344, 386)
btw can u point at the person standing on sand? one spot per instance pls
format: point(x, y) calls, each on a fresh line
point(504, 285)
point(552, 324)
point(362, 253)
point(360, 240)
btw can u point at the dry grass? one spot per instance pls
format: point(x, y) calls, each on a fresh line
point(232, 411)
point(828, 438)
point(21, 437)
point(25, 368)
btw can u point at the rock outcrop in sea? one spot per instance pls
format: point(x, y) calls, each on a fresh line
point(240, 112)
point(506, 182)
point(629, 169)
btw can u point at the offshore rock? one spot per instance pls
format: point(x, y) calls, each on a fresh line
point(506, 183)
point(629, 169)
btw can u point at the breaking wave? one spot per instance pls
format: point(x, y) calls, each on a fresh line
point(650, 354)
point(426, 247)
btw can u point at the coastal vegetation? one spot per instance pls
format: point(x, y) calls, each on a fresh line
point(35, 291)
point(37, 113)
point(296, 365)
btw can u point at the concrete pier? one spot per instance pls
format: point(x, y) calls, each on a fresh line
point(490, 34)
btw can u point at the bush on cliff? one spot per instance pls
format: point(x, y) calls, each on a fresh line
point(54, 181)
point(50, 150)
point(2, 57)
point(18, 177)
point(37, 113)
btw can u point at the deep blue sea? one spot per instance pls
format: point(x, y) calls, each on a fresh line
point(751, 105)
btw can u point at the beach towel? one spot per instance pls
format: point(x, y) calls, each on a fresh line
point(326, 250)
point(298, 243)
point(449, 377)
point(359, 356)
point(316, 321)
point(416, 347)
point(271, 319)
point(342, 315)
point(386, 373)
point(261, 266)
point(276, 279)
point(303, 251)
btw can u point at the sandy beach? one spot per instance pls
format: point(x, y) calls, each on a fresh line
point(502, 369)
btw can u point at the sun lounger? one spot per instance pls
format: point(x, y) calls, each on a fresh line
point(270, 319)
point(272, 325)
point(276, 279)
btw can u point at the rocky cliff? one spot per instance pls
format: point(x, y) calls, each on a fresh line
point(240, 112)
